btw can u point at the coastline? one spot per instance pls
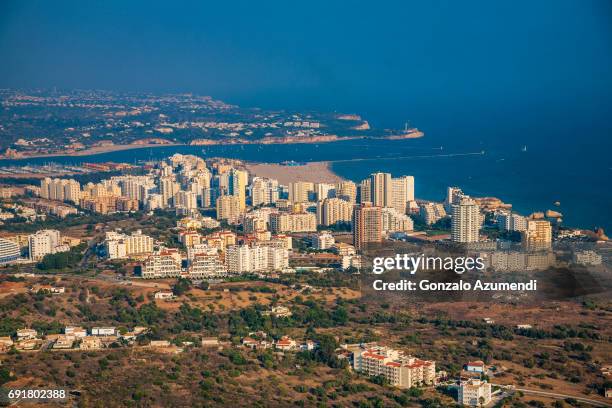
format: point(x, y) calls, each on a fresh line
point(91, 151)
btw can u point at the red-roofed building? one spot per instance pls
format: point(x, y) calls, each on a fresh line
point(475, 367)
point(286, 344)
point(400, 370)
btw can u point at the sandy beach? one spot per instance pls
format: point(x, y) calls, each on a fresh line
point(314, 171)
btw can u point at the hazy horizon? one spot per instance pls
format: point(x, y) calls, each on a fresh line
point(391, 62)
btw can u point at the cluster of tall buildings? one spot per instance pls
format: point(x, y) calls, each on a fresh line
point(376, 207)
point(60, 189)
point(209, 255)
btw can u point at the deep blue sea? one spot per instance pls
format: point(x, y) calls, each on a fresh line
point(532, 180)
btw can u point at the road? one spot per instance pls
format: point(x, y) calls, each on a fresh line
point(563, 396)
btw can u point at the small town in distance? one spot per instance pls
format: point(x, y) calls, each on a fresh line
point(201, 257)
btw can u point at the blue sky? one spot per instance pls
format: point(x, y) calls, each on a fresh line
point(359, 56)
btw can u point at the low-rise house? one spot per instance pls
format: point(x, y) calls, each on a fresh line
point(286, 344)
point(90, 343)
point(75, 331)
point(524, 326)
point(6, 341)
point(64, 342)
point(5, 344)
point(210, 341)
point(128, 336)
point(26, 334)
point(488, 320)
point(159, 343)
point(107, 341)
point(138, 330)
point(309, 345)
point(103, 331)
point(28, 344)
point(278, 311)
point(55, 290)
point(250, 342)
point(164, 295)
point(475, 367)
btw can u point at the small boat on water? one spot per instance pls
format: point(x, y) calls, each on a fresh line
point(524, 149)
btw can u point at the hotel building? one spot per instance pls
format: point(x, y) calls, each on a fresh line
point(400, 370)
point(9, 251)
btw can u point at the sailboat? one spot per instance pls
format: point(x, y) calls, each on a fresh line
point(524, 149)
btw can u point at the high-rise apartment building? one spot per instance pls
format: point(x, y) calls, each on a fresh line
point(395, 221)
point(234, 182)
point(248, 259)
point(465, 222)
point(453, 196)
point(301, 192)
point(44, 242)
point(239, 182)
point(324, 190)
point(403, 192)
point(537, 236)
point(60, 189)
point(367, 225)
point(382, 189)
point(365, 191)
point(264, 191)
point(228, 208)
point(347, 191)
point(119, 246)
point(431, 212)
point(293, 222)
point(331, 211)
point(168, 187)
point(186, 199)
point(511, 222)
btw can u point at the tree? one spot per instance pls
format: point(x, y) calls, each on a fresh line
point(181, 286)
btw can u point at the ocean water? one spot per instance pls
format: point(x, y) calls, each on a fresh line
point(531, 180)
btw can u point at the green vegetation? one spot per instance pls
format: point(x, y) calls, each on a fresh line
point(63, 260)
